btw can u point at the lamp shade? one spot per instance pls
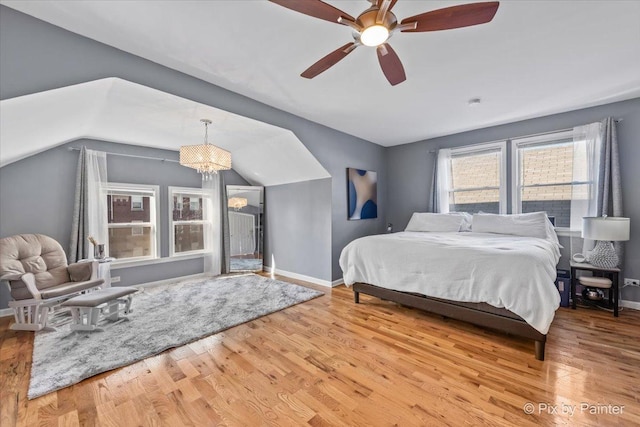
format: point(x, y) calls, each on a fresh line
point(205, 158)
point(605, 228)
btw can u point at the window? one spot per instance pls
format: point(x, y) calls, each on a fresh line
point(472, 178)
point(136, 203)
point(551, 174)
point(555, 172)
point(132, 221)
point(190, 219)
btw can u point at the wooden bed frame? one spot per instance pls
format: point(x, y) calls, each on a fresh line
point(506, 322)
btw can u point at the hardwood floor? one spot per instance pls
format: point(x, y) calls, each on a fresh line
point(332, 362)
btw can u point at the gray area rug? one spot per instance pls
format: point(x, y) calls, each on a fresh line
point(163, 317)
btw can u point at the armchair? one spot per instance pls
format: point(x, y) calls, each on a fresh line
point(34, 267)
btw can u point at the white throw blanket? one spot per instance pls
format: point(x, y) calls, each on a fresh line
point(516, 273)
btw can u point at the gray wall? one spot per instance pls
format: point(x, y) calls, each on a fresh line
point(303, 226)
point(36, 56)
point(410, 169)
point(36, 196)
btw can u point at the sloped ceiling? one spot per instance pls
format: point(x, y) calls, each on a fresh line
point(535, 58)
point(119, 111)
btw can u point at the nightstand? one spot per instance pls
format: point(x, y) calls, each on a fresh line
point(104, 269)
point(610, 273)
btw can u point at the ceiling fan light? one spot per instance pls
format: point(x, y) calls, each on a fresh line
point(374, 35)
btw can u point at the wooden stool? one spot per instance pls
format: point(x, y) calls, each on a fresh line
point(89, 309)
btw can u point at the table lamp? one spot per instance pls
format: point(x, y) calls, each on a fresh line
point(605, 230)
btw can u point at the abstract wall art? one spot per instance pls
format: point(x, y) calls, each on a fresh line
point(362, 193)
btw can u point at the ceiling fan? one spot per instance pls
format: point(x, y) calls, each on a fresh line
point(374, 26)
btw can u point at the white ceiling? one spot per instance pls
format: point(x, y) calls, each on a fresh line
point(535, 58)
point(120, 111)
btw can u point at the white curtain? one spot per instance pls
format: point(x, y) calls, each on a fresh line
point(212, 235)
point(96, 174)
point(587, 150)
point(443, 180)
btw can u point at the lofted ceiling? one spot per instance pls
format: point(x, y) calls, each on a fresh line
point(119, 111)
point(535, 58)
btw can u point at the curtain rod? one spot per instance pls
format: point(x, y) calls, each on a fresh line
point(508, 139)
point(540, 134)
point(529, 136)
point(472, 145)
point(130, 155)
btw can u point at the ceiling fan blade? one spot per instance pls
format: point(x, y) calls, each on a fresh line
point(315, 8)
point(448, 18)
point(329, 61)
point(391, 65)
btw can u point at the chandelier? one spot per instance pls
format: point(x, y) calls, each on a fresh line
point(237, 203)
point(206, 158)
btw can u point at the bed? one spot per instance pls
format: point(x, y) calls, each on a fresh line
point(500, 281)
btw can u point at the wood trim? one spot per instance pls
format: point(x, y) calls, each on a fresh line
point(297, 276)
point(454, 311)
point(634, 305)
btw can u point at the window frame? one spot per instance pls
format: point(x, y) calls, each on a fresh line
point(206, 220)
point(154, 218)
point(501, 148)
point(545, 140)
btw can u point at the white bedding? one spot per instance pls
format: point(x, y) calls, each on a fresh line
point(513, 272)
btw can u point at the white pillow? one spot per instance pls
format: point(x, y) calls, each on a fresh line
point(434, 222)
point(551, 233)
point(467, 218)
point(527, 225)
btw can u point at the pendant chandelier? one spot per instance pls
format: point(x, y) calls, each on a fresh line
point(237, 203)
point(206, 158)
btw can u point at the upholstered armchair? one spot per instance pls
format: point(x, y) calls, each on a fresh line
point(34, 266)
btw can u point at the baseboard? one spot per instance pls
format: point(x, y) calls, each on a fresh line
point(297, 276)
point(634, 305)
point(337, 282)
point(169, 281)
point(4, 312)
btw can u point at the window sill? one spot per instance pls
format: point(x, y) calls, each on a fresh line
point(142, 262)
point(187, 255)
point(565, 232)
